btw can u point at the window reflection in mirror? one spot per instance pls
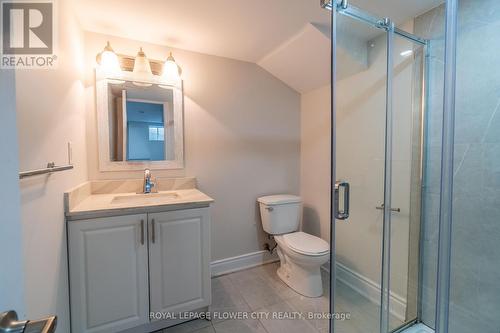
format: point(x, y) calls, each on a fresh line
point(141, 123)
point(144, 139)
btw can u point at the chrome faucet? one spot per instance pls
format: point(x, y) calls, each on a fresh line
point(148, 185)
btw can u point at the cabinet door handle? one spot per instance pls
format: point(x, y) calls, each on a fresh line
point(153, 233)
point(142, 232)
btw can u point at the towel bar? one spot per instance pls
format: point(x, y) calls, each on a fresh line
point(51, 167)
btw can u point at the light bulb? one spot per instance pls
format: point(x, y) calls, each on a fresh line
point(108, 60)
point(142, 69)
point(171, 71)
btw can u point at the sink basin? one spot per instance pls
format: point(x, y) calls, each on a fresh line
point(144, 199)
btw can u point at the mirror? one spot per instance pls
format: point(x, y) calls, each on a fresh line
point(140, 125)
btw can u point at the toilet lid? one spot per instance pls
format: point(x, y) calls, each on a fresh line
point(306, 244)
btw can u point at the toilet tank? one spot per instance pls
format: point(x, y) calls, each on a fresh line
point(280, 214)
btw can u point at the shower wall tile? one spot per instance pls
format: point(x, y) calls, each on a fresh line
point(491, 166)
point(475, 287)
point(432, 172)
point(492, 134)
point(430, 25)
point(475, 12)
point(435, 101)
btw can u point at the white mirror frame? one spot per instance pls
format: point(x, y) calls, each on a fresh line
point(105, 163)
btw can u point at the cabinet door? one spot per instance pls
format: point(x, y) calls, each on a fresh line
point(179, 260)
point(108, 263)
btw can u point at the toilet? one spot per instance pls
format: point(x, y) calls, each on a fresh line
point(301, 255)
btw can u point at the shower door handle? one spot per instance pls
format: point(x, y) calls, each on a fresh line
point(382, 207)
point(341, 214)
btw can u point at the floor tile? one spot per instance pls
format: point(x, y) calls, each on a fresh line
point(278, 325)
point(313, 310)
point(239, 326)
point(256, 290)
point(260, 290)
point(365, 315)
point(269, 274)
point(419, 328)
point(226, 298)
point(199, 325)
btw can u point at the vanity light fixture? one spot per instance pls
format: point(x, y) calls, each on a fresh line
point(171, 71)
point(108, 60)
point(142, 69)
point(139, 69)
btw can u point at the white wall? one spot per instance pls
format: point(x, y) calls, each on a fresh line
point(242, 132)
point(50, 110)
point(315, 161)
point(11, 244)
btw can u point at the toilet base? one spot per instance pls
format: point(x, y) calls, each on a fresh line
point(304, 280)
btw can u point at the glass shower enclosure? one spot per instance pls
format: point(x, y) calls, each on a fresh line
point(379, 115)
point(415, 168)
point(379, 143)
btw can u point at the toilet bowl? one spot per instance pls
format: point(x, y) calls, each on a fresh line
point(300, 269)
point(301, 255)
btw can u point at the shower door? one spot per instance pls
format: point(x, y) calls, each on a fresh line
point(361, 79)
point(376, 164)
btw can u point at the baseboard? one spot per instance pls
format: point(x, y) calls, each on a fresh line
point(238, 263)
point(369, 288)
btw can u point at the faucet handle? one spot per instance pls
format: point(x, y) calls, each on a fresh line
point(154, 185)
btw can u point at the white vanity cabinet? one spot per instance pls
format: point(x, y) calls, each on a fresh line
point(124, 267)
point(108, 273)
point(179, 255)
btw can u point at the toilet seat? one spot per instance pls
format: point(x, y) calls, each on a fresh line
point(306, 244)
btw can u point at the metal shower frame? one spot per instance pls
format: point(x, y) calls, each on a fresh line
point(445, 218)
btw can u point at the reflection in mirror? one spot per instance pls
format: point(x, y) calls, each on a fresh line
point(141, 123)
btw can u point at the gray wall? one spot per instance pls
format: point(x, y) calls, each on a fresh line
point(50, 113)
point(475, 287)
point(241, 132)
point(11, 284)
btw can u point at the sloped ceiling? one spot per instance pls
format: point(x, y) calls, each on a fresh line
point(254, 31)
point(240, 29)
point(303, 62)
point(295, 64)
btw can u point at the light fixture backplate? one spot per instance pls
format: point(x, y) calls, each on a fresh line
point(127, 64)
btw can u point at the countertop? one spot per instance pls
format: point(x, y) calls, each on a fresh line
point(82, 203)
